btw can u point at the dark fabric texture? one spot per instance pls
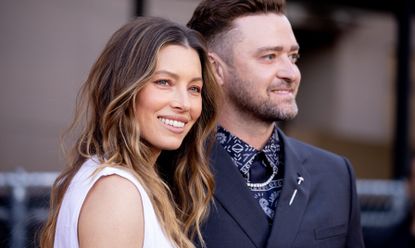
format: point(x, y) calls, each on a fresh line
point(324, 212)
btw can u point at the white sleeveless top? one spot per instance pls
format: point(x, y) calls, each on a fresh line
point(66, 234)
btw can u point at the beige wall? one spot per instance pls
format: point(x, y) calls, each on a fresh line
point(353, 81)
point(176, 10)
point(47, 48)
point(347, 95)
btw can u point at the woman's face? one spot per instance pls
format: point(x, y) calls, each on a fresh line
point(171, 101)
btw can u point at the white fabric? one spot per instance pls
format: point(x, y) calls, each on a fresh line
point(66, 234)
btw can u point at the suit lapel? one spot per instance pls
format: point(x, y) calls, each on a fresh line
point(229, 189)
point(288, 218)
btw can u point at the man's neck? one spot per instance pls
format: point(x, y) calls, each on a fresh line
point(254, 132)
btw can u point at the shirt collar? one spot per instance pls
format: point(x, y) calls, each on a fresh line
point(243, 154)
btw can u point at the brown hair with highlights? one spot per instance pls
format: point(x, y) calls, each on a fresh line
point(110, 132)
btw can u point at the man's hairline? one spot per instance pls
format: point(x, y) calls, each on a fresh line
point(223, 36)
point(221, 43)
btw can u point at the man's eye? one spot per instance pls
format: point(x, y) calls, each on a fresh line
point(294, 58)
point(269, 56)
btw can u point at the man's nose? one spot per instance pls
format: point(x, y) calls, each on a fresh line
point(288, 71)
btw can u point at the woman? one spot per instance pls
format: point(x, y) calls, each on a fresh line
point(150, 91)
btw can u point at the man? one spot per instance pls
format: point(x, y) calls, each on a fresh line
point(271, 190)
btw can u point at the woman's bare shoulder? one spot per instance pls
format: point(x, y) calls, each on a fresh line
point(112, 215)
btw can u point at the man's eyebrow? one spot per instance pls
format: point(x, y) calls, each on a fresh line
point(277, 49)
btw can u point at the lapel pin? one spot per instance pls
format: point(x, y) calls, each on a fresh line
point(300, 180)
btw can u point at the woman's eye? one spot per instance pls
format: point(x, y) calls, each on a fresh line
point(195, 89)
point(163, 82)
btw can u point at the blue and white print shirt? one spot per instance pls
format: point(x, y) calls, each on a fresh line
point(243, 155)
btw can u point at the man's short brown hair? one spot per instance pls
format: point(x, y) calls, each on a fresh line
point(213, 17)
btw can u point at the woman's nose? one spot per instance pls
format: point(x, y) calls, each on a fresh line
point(181, 100)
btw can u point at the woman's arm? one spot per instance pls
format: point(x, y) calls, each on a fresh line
point(112, 215)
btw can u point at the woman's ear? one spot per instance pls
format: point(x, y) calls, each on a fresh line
point(218, 67)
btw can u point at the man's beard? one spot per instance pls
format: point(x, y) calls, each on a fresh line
point(242, 95)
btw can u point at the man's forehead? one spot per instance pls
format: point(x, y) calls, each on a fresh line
point(264, 30)
point(253, 20)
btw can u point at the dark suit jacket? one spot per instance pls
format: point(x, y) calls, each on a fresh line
point(324, 213)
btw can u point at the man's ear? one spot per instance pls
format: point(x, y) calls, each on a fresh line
point(218, 67)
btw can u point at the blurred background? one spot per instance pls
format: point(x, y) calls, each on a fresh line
point(356, 96)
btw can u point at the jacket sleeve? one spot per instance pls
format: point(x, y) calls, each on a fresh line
point(354, 232)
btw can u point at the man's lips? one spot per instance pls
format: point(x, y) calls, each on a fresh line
point(283, 91)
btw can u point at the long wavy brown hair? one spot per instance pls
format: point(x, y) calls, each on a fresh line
point(108, 129)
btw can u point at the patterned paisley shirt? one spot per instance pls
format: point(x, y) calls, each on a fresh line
point(243, 156)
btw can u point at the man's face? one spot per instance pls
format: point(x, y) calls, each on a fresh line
point(262, 78)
